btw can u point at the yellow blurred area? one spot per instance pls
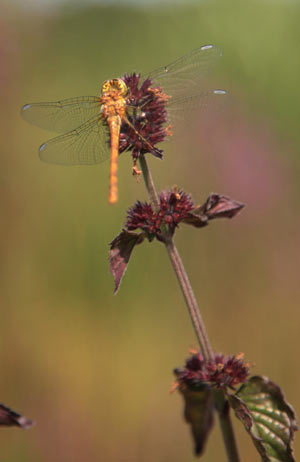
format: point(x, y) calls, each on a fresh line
point(92, 369)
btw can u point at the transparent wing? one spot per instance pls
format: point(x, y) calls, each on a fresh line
point(183, 76)
point(85, 145)
point(62, 116)
point(185, 107)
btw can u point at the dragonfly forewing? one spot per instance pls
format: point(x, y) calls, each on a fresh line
point(62, 116)
point(88, 144)
point(183, 76)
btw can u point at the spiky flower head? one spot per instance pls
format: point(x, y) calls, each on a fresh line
point(174, 207)
point(222, 371)
point(146, 111)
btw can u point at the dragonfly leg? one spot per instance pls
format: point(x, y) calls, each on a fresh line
point(135, 171)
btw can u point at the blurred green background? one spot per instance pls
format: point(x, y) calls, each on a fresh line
point(94, 370)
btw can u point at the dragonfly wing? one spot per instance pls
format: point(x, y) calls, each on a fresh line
point(182, 77)
point(181, 108)
point(86, 144)
point(62, 116)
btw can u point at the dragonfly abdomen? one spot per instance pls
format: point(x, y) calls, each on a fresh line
point(114, 123)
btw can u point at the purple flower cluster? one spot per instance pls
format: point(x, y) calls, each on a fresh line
point(174, 207)
point(147, 115)
point(222, 371)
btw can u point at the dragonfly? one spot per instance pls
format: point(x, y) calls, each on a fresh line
point(131, 113)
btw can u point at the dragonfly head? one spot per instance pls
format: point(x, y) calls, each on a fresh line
point(114, 85)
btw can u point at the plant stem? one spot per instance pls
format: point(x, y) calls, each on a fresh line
point(190, 300)
point(197, 322)
point(180, 272)
point(223, 409)
point(149, 182)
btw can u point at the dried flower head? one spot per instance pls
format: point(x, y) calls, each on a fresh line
point(222, 371)
point(147, 114)
point(173, 208)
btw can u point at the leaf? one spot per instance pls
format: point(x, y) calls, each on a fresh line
point(10, 418)
point(216, 206)
point(120, 252)
point(270, 420)
point(198, 412)
point(196, 218)
point(219, 206)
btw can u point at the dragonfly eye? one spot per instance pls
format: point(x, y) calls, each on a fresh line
point(105, 86)
point(115, 85)
point(121, 86)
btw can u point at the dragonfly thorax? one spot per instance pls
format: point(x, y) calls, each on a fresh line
point(115, 87)
point(113, 98)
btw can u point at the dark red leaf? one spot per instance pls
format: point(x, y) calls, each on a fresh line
point(10, 418)
point(198, 412)
point(196, 218)
point(120, 252)
point(219, 206)
point(216, 206)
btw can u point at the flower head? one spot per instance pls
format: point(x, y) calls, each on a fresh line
point(142, 216)
point(147, 115)
point(222, 371)
point(173, 208)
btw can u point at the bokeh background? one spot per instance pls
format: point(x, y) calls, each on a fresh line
point(92, 369)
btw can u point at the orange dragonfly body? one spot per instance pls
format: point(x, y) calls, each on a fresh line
point(135, 110)
point(113, 110)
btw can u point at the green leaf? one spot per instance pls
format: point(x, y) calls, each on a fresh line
point(198, 412)
point(270, 420)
